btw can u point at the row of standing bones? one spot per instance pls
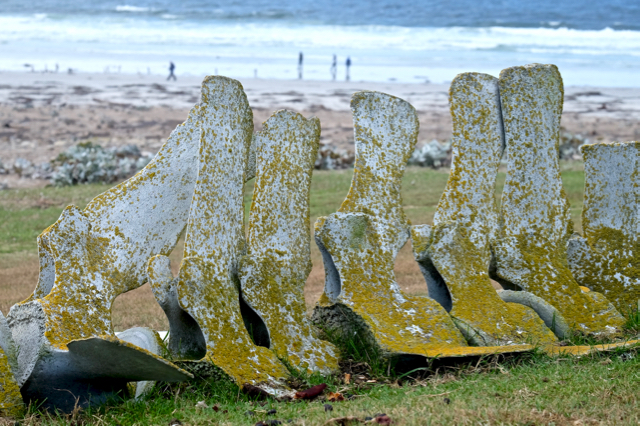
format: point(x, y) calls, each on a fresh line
point(59, 345)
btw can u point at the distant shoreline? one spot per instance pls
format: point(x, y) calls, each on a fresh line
point(41, 115)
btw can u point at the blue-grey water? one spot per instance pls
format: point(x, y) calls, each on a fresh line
point(593, 43)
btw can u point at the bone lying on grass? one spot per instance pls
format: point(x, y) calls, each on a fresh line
point(360, 242)
point(239, 307)
point(278, 261)
point(207, 285)
point(88, 258)
point(607, 258)
point(531, 250)
point(455, 254)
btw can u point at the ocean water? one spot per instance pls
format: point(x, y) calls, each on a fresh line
point(593, 43)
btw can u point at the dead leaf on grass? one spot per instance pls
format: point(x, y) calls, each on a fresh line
point(335, 397)
point(381, 419)
point(344, 420)
point(311, 393)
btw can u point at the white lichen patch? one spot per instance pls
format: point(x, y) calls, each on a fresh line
point(457, 253)
point(207, 287)
point(274, 272)
point(536, 224)
point(607, 258)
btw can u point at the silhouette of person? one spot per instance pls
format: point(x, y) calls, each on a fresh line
point(334, 67)
point(172, 68)
point(348, 66)
point(300, 59)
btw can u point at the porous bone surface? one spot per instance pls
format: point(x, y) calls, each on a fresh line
point(456, 252)
point(207, 287)
point(277, 264)
point(536, 224)
point(360, 242)
point(607, 258)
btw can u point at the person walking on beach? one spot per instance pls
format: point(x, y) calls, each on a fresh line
point(334, 68)
point(348, 66)
point(300, 59)
point(172, 68)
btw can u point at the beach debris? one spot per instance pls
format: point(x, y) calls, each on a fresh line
point(88, 258)
point(207, 286)
point(278, 261)
point(570, 145)
point(360, 242)
point(87, 162)
point(23, 167)
point(332, 158)
point(606, 259)
point(530, 252)
point(432, 154)
point(454, 255)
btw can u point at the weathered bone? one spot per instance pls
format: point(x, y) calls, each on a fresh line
point(88, 258)
point(11, 404)
point(456, 252)
point(607, 259)
point(148, 340)
point(360, 242)
point(278, 261)
point(531, 252)
point(207, 286)
point(93, 370)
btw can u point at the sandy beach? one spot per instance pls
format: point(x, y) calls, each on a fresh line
point(42, 114)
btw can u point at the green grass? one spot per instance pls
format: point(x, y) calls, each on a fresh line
point(531, 389)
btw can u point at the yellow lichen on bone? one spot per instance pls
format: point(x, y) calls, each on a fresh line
point(585, 350)
point(207, 287)
point(11, 404)
point(88, 258)
point(213, 300)
point(458, 253)
point(274, 272)
point(607, 259)
point(360, 242)
point(531, 251)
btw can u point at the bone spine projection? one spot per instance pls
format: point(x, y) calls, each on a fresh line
point(238, 306)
